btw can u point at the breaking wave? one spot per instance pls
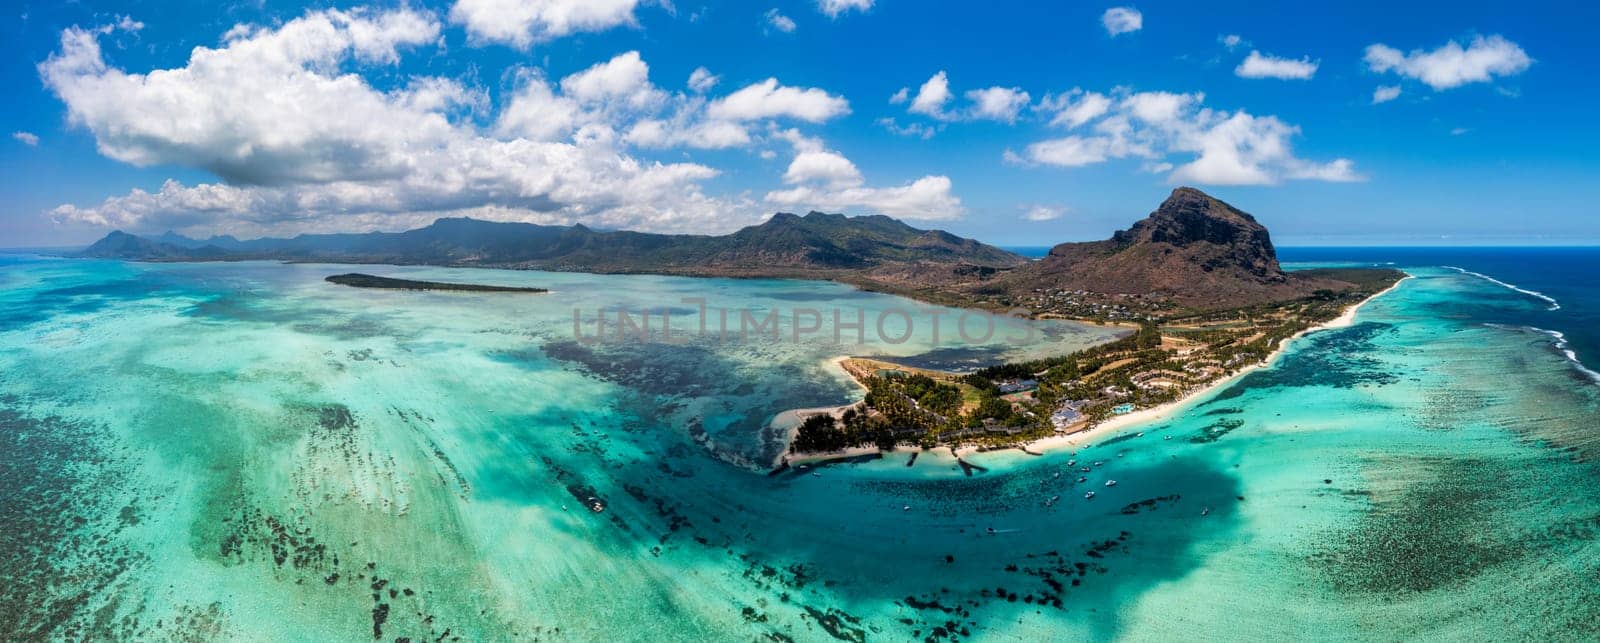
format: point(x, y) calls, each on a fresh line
point(1554, 305)
point(1559, 342)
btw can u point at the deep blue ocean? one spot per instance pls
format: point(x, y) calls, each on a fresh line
point(1568, 276)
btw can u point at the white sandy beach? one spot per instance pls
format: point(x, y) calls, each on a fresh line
point(1157, 413)
point(1110, 427)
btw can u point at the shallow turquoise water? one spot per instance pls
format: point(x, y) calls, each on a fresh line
point(245, 451)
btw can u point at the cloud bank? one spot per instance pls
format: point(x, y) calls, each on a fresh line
point(301, 140)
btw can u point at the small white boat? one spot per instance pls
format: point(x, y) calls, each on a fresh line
point(1088, 495)
point(816, 474)
point(1072, 463)
point(1139, 434)
point(1111, 483)
point(906, 508)
point(1206, 511)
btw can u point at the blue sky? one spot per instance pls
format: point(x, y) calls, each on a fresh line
point(1351, 123)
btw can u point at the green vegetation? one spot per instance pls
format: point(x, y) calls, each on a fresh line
point(1160, 362)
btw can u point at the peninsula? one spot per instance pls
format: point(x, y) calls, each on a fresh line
point(358, 280)
point(1201, 279)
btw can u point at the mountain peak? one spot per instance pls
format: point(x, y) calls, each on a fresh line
point(1194, 248)
point(1190, 217)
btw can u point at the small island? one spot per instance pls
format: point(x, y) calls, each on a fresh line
point(359, 280)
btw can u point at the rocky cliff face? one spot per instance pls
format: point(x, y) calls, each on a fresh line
point(1210, 232)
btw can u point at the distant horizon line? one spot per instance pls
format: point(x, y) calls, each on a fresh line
point(1015, 248)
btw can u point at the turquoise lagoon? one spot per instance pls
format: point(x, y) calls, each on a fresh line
point(245, 451)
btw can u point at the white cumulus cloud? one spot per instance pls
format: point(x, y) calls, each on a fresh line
point(522, 23)
point(824, 179)
point(779, 21)
point(303, 142)
point(1452, 65)
point(932, 96)
point(835, 7)
point(1121, 20)
point(997, 103)
point(624, 80)
point(1222, 147)
point(262, 110)
point(830, 168)
point(26, 138)
point(1259, 65)
point(768, 99)
point(912, 130)
point(1072, 151)
point(701, 80)
point(1043, 213)
point(1384, 94)
point(1075, 108)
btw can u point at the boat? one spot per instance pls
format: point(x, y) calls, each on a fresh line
point(1206, 511)
point(1111, 483)
point(1083, 478)
point(906, 508)
point(816, 474)
point(1088, 495)
point(588, 496)
point(1072, 463)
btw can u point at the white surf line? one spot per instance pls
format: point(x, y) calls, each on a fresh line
point(1566, 349)
point(1554, 305)
point(1559, 343)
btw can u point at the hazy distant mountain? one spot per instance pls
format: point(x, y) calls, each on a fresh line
point(121, 245)
point(785, 245)
point(226, 242)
